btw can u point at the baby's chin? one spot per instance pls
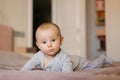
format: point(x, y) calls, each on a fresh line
point(52, 54)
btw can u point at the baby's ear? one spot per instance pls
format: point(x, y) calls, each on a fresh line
point(37, 44)
point(62, 39)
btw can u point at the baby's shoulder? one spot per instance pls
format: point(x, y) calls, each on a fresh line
point(38, 54)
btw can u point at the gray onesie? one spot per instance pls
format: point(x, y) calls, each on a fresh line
point(64, 62)
point(61, 63)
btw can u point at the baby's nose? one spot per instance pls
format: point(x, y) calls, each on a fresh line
point(49, 44)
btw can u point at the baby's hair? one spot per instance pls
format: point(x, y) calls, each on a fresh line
point(47, 25)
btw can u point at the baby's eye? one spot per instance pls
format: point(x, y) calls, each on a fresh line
point(53, 40)
point(44, 42)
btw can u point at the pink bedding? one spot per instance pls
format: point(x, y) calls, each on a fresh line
point(11, 60)
point(11, 63)
point(96, 74)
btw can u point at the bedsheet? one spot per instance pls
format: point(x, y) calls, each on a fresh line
point(96, 74)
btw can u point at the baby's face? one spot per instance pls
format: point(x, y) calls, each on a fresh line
point(49, 41)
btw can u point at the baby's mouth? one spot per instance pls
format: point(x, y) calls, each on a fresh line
point(51, 50)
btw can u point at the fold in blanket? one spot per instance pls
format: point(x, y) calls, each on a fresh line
point(10, 67)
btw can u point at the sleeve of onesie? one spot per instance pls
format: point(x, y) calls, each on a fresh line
point(32, 63)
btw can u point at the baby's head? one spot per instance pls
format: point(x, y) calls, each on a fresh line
point(49, 38)
point(49, 26)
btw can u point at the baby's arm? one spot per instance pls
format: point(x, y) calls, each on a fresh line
point(31, 64)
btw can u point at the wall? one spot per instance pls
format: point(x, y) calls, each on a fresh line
point(113, 28)
point(14, 14)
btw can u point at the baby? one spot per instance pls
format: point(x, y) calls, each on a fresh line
point(52, 58)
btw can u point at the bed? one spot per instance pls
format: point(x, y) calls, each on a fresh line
point(6, 38)
point(11, 63)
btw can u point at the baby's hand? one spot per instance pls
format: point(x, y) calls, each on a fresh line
point(37, 68)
